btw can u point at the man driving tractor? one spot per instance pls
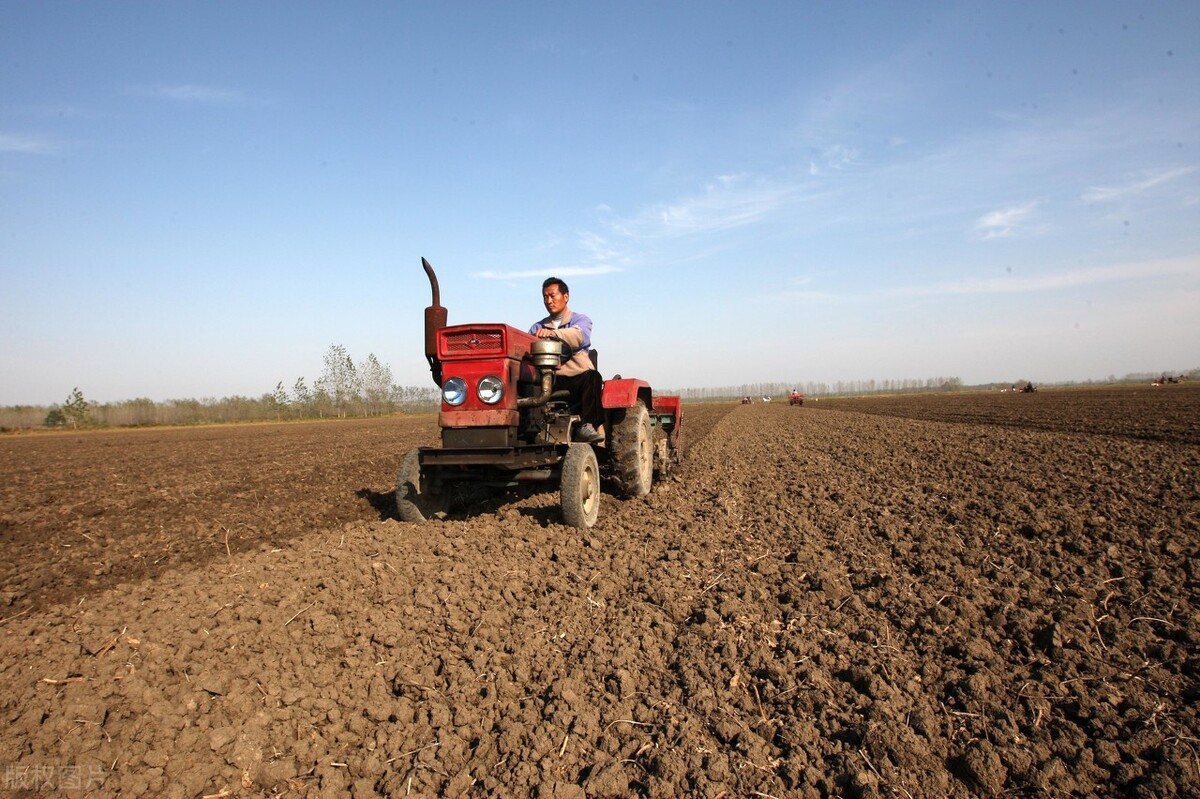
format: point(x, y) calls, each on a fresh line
point(524, 407)
point(578, 373)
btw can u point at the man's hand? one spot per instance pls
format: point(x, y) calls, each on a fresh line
point(545, 332)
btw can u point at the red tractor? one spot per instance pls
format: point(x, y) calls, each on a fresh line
point(795, 398)
point(504, 424)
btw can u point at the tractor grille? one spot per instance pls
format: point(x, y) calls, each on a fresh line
point(474, 342)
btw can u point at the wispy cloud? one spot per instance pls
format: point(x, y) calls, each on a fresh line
point(193, 93)
point(1174, 267)
point(599, 249)
point(726, 202)
point(598, 257)
point(559, 271)
point(729, 201)
point(1004, 221)
point(835, 158)
point(1097, 194)
point(22, 143)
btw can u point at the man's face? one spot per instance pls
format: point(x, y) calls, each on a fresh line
point(554, 299)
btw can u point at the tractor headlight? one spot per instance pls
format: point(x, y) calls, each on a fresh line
point(454, 391)
point(491, 390)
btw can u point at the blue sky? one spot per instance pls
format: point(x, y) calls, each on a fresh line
point(198, 199)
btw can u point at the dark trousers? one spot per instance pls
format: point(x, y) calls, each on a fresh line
point(585, 391)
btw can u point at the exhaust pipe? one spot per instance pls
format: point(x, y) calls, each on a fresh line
point(435, 320)
point(546, 394)
point(546, 355)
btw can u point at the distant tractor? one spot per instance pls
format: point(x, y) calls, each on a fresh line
point(1028, 388)
point(795, 398)
point(505, 424)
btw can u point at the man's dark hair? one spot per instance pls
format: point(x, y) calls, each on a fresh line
point(562, 284)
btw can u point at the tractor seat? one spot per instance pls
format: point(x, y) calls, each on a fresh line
point(595, 359)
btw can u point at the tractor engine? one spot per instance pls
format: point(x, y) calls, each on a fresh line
point(498, 388)
point(545, 416)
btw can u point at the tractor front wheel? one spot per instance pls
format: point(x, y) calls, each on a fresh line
point(579, 488)
point(415, 501)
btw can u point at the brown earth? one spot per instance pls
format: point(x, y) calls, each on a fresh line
point(970, 595)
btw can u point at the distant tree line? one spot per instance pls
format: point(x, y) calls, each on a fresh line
point(856, 388)
point(343, 389)
point(841, 388)
point(346, 388)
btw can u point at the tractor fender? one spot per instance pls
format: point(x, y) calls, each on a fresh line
point(625, 392)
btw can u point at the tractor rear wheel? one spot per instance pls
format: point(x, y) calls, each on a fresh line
point(415, 502)
point(579, 487)
point(631, 447)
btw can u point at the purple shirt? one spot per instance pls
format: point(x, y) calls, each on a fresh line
point(578, 321)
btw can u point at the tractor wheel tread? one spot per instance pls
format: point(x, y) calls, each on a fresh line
point(631, 447)
point(414, 501)
point(579, 487)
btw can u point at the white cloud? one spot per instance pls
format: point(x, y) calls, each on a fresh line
point(599, 249)
point(1005, 221)
point(559, 271)
point(21, 143)
point(730, 201)
point(835, 157)
point(727, 202)
point(1107, 193)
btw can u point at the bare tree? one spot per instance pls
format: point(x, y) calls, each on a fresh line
point(376, 380)
point(303, 395)
point(339, 382)
point(277, 401)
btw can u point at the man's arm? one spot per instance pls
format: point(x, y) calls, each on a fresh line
point(571, 337)
point(579, 335)
point(575, 336)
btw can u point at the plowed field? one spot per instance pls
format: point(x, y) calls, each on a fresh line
point(952, 596)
